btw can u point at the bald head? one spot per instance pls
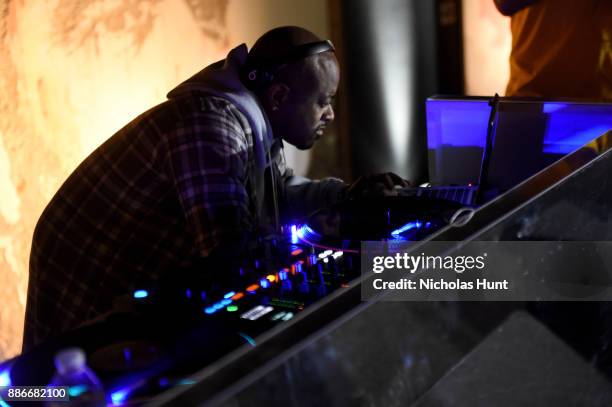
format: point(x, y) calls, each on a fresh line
point(278, 42)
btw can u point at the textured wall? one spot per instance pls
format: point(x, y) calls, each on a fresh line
point(74, 71)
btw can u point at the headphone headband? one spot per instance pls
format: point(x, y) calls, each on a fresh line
point(259, 71)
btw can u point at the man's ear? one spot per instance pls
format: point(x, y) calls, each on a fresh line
point(278, 94)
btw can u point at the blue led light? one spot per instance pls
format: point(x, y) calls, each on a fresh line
point(5, 381)
point(188, 293)
point(264, 283)
point(217, 306)
point(408, 226)
point(306, 232)
point(247, 338)
point(5, 377)
point(282, 275)
point(141, 294)
point(76, 391)
point(294, 234)
point(127, 354)
point(230, 294)
point(309, 230)
point(118, 397)
point(298, 267)
point(210, 310)
point(203, 295)
point(225, 302)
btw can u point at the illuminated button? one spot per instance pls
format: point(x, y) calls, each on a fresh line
point(256, 313)
point(252, 287)
point(278, 315)
point(230, 294)
point(232, 308)
point(237, 296)
point(337, 254)
point(326, 260)
point(210, 310)
point(294, 234)
point(296, 252)
point(264, 283)
point(225, 302)
point(141, 294)
point(271, 278)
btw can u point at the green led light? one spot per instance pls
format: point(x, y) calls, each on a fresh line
point(232, 308)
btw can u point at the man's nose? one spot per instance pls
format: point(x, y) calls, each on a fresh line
point(329, 115)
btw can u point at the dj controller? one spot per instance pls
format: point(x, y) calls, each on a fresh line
point(158, 336)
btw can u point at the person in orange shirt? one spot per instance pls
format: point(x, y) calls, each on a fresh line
point(560, 48)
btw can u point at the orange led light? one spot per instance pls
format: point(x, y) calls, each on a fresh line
point(296, 252)
point(252, 287)
point(271, 278)
point(238, 296)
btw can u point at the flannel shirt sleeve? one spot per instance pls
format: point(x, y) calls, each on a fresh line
point(304, 196)
point(207, 160)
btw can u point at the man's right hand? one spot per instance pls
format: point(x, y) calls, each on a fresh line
point(384, 184)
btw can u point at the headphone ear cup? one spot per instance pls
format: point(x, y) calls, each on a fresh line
point(266, 78)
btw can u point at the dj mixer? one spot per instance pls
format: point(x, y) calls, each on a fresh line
point(159, 335)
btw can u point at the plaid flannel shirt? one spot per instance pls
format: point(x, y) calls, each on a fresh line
point(163, 191)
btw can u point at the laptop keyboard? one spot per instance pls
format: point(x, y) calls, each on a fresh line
point(462, 194)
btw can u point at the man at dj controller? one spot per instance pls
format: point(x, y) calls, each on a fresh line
point(192, 178)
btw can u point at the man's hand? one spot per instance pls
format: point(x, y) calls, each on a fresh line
point(326, 223)
point(384, 184)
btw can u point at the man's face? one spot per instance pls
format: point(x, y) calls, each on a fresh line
point(301, 116)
